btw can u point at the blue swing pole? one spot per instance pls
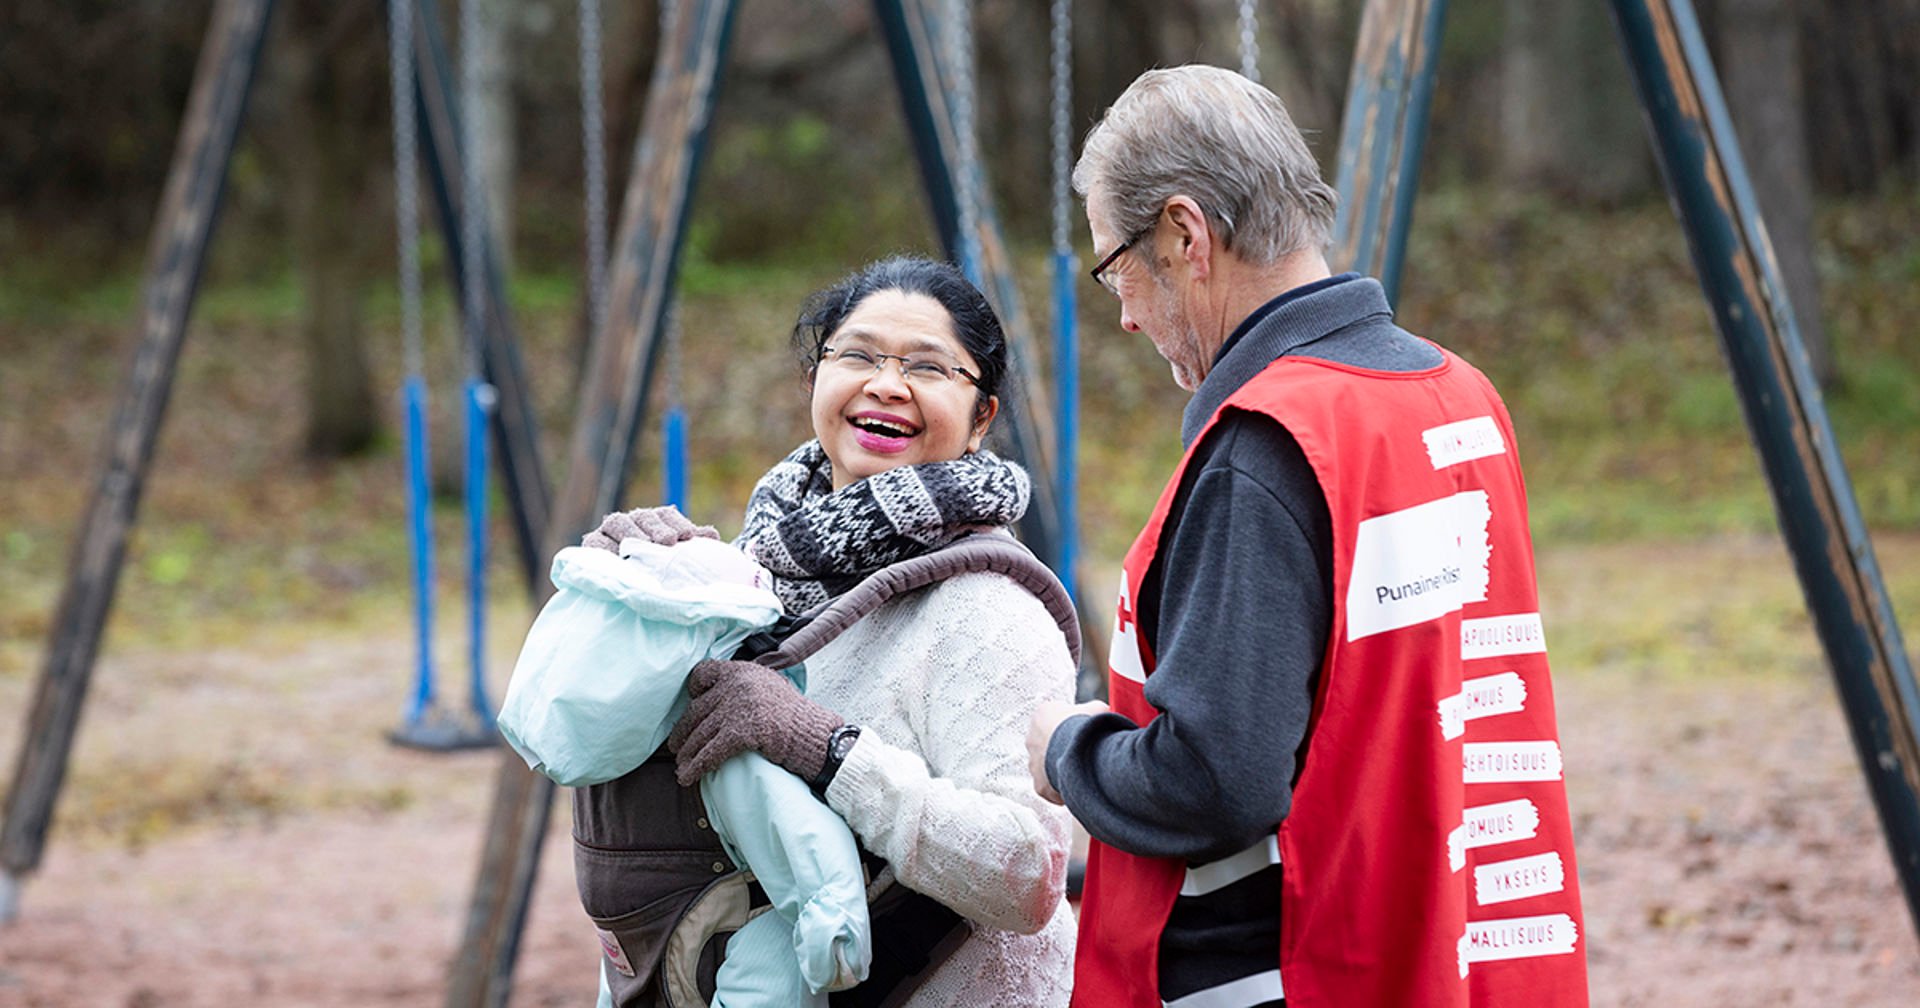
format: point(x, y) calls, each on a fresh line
point(1066, 363)
point(673, 431)
point(480, 401)
point(420, 531)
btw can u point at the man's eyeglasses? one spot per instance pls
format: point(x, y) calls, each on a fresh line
point(1099, 271)
point(923, 370)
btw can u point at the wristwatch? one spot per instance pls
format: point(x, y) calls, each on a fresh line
point(839, 744)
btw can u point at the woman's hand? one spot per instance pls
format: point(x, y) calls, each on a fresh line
point(739, 705)
point(662, 526)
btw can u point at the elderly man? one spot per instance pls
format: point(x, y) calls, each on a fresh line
point(1330, 772)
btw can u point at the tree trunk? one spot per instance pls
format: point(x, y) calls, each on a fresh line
point(1862, 85)
point(1760, 70)
point(1314, 42)
point(1567, 117)
point(329, 224)
point(341, 415)
point(493, 128)
point(1529, 99)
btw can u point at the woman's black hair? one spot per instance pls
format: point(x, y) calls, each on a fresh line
point(974, 322)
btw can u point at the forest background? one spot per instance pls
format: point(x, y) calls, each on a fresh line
point(269, 571)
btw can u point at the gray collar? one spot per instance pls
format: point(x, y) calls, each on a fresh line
point(1275, 331)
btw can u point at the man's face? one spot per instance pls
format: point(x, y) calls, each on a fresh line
point(1152, 300)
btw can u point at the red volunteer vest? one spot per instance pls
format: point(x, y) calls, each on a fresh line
point(1428, 858)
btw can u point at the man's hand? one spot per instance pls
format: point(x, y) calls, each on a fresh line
point(1046, 719)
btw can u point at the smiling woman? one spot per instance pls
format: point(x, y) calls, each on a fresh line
point(870, 417)
point(913, 721)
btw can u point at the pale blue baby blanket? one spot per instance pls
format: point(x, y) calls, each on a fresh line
point(598, 686)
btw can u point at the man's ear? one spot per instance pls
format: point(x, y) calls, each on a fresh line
point(1190, 223)
point(982, 419)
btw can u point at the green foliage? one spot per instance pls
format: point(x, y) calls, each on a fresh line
point(1589, 322)
point(754, 209)
point(1594, 329)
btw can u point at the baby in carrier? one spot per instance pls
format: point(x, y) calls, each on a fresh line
point(598, 686)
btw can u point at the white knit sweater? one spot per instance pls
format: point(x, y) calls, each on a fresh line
point(942, 682)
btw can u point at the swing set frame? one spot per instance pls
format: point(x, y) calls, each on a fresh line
point(1384, 128)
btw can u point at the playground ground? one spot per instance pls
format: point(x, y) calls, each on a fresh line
point(236, 831)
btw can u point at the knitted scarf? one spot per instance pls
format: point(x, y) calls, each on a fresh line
point(818, 542)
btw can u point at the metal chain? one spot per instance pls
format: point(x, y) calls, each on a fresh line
point(472, 213)
point(593, 149)
point(406, 182)
point(1249, 41)
point(673, 356)
point(1062, 123)
point(967, 152)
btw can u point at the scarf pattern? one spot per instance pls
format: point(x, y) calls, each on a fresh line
point(818, 542)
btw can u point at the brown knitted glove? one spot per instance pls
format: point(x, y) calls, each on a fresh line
point(662, 526)
point(739, 705)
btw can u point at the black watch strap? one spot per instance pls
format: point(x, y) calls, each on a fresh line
point(839, 744)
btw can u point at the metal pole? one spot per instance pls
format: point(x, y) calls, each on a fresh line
point(183, 229)
point(1708, 185)
point(1382, 134)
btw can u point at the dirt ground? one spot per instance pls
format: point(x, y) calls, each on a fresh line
point(235, 831)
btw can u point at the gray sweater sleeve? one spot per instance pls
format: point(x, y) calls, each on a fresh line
point(1239, 626)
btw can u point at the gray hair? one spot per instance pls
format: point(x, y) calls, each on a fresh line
point(1221, 139)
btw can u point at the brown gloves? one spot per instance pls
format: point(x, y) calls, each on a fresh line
point(739, 705)
point(662, 526)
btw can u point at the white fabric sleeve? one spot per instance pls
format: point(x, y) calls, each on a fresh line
point(951, 806)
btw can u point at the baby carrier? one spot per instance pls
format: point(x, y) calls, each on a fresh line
point(653, 876)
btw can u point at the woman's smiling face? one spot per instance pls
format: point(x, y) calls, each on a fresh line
point(871, 420)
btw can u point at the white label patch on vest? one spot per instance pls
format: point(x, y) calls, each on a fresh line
point(1418, 564)
point(1123, 654)
point(1486, 696)
point(1534, 875)
point(1498, 823)
point(1490, 824)
point(1519, 938)
point(1498, 762)
point(615, 954)
point(1463, 441)
point(1487, 825)
point(1500, 636)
